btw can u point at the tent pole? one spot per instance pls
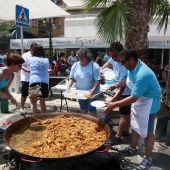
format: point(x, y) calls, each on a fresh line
point(50, 40)
point(162, 58)
point(21, 40)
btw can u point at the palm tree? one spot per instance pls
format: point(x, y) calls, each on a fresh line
point(5, 34)
point(129, 20)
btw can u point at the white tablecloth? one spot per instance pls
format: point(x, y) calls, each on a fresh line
point(59, 87)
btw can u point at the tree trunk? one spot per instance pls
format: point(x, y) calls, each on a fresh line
point(136, 36)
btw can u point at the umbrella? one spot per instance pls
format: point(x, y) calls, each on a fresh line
point(37, 9)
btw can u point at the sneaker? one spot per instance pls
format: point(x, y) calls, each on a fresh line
point(128, 151)
point(145, 164)
point(125, 134)
point(22, 111)
point(114, 141)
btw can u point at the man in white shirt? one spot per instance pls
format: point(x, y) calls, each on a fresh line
point(25, 77)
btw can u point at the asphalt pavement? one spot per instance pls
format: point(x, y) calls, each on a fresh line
point(161, 152)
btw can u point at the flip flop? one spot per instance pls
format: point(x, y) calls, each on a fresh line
point(8, 122)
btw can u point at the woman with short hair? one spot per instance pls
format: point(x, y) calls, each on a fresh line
point(86, 74)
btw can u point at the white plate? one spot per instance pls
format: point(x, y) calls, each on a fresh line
point(77, 94)
point(108, 74)
point(98, 103)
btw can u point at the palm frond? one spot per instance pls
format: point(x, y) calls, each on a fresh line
point(90, 4)
point(110, 24)
point(161, 15)
point(153, 6)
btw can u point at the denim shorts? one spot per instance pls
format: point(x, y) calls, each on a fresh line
point(85, 105)
point(151, 123)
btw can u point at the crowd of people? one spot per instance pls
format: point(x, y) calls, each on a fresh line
point(139, 87)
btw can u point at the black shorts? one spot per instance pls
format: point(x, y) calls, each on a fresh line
point(44, 89)
point(124, 110)
point(24, 88)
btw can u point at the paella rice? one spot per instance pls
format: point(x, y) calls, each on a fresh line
point(59, 136)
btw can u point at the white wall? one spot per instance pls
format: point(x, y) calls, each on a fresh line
point(83, 26)
point(80, 26)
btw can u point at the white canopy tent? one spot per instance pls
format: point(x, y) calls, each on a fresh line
point(37, 9)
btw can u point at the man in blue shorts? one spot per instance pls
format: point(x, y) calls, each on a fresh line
point(145, 99)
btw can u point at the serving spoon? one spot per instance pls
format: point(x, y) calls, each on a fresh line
point(90, 96)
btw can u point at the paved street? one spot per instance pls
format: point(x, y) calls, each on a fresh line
point(161, 154)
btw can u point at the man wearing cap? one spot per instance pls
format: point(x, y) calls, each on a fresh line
point(120, 74)
point(25, 77)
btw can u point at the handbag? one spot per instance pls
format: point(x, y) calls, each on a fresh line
point(35, 91)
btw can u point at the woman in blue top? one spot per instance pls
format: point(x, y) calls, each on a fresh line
point(14, 63)
point(86, 74)
point(39, 76)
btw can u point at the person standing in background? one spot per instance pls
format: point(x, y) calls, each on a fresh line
point(72, 59)
point(106, 57)
point(99, 58)
point(25, 77)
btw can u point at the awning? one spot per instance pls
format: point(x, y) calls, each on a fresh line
point(159, 42)
point(65, 42)
point(37, 9)
point(155, 42)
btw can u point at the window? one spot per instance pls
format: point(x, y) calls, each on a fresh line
point(59, 24)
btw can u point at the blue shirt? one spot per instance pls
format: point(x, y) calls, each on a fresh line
point(72, 60)
point(120, 74)
point(39, 69)
point(106, 58)
point(85, 76)
point(145, 84)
